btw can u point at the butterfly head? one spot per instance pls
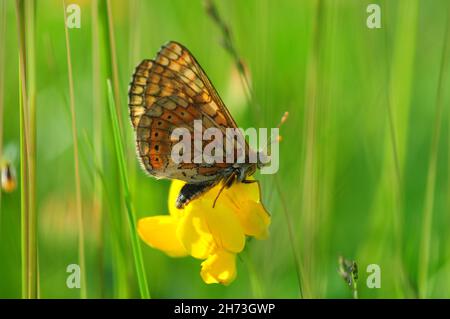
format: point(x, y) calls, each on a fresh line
point(244, 170)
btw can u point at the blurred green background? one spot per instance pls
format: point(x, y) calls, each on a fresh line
point(364, 160)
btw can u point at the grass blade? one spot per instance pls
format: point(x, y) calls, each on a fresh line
point(137, 254)
point(27, 87)
point(424, 257)
point(113, 62)
point(2, 80)
point(79, 209)
point(97, 208)
point(23, 189)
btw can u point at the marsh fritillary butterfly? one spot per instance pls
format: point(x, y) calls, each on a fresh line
point(173, 91)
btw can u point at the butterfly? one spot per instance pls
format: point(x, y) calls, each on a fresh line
point(169, 92)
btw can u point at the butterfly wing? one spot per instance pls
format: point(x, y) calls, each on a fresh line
point(170, 92)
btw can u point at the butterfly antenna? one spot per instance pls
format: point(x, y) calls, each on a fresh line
point(279, 137)
point(283, 119)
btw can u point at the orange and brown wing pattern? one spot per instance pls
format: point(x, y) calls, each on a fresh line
point(155, 142)
point(168, 92)
point(175, 72)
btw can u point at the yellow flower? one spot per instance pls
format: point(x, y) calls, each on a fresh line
point(216, 234)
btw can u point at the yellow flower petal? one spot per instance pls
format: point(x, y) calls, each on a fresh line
point(202, 230)
point(245, 201)
point(219, 268)
point(160, 232)
point(194, 234)
point(215, 234)
point(254, 219)
point(250, 191)
point(175, 188)
point(221, 223)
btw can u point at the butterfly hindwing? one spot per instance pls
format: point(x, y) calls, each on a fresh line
point(155, 142)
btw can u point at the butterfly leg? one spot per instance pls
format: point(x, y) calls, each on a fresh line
point(249, 181)
point(190, 192)
point(227, 183)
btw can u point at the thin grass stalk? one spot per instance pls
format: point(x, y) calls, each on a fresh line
point(393, 136)
point(114, 62)
point(399, 74)
point(447, 235)
point(135, 7)
point(329, 149)
point(292, 240)
point(2, 67)
point(398, 59)
point(97, 200)
point(30, 38)
point(2, 83)
point(23, 190)
point(310, 171)
point(117, 218)
point(424, 252)
point(79, 208)
point(230, 48)
point(114, 236)
point(23, 153)
point(27, 140)
point(119, 150)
